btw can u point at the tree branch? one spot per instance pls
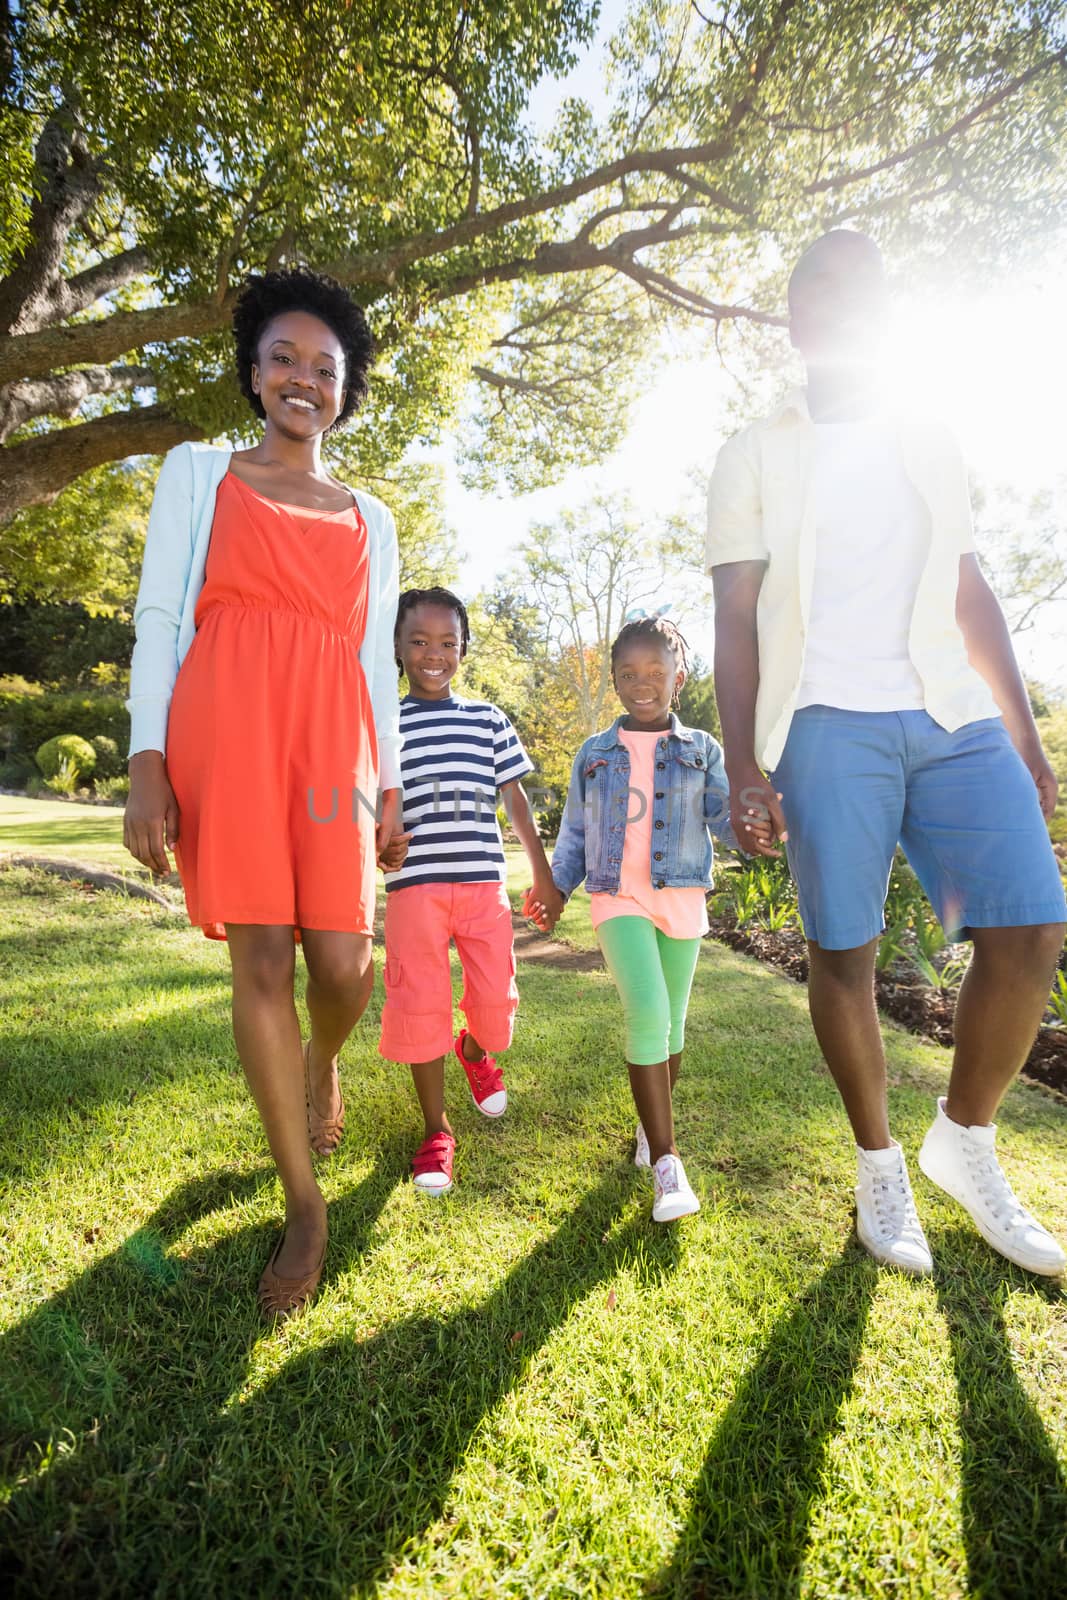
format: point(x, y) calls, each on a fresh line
point(937, 141)
point(37, 470)
point(63, 395)
point(67, 185)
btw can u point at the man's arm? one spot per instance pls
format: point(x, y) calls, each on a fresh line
point(737, 586)
point(989, 650)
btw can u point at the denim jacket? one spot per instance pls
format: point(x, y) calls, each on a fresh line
point(690, 803)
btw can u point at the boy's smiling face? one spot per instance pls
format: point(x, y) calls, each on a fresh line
point(646, 676)
point(429, 647)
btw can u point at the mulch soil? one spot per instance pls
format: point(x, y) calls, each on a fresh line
point(916, 1005)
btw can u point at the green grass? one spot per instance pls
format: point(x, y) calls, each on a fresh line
point(524, 1389)
point(66, 828)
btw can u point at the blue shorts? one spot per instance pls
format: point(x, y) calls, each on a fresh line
point(962, 805)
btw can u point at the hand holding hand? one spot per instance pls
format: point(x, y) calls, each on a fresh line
point(543, 905)
point(756, 814)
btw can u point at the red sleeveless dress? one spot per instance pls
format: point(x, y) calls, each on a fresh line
point(271, 747)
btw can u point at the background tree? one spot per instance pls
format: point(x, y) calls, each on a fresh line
point(159, 153)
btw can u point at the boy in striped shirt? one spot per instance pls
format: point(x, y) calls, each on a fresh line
point(457, 756)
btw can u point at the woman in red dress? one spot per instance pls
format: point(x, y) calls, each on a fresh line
point(265, 721)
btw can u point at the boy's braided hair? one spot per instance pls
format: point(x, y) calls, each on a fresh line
point(435, 596)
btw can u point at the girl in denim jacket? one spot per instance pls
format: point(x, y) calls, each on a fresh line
point(644, 798)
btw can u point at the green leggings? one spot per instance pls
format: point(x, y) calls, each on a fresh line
point(653, 975)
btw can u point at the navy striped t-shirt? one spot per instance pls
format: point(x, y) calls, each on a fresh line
point(456, 754)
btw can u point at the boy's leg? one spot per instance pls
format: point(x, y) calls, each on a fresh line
point(482, 930)
point(417, 1014)
point(429, 1080)
point(631, 953)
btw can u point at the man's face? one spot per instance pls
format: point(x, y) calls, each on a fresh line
point(839, 303)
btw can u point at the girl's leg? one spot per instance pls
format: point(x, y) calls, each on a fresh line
point(632, 957)
point(340, 978)
point(267, 1034)
point(678, 958)
point(429, 1080)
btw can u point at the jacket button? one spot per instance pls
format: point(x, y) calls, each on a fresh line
point(661, 883)
point(659, 822)
point(658, 855)
point(659, 794)
point(660, 766)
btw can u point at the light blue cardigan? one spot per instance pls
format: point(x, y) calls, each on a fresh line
point(176, 546)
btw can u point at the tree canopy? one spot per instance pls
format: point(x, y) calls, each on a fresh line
point(516, 282)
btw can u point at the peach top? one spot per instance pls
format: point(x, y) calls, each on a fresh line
point(679, 913)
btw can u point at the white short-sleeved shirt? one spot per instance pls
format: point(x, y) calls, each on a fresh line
point(761, 507)
point(871, 533)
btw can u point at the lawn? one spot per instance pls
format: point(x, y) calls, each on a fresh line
point(523, 1389)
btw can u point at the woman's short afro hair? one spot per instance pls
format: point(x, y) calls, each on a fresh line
point(262, 298)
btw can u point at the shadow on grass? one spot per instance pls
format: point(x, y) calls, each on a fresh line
point(114, 1391)
point(318, 1480)
point(752, 1504)
point(1014, 1503)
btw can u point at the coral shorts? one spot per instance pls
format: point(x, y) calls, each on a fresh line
point(420, 922)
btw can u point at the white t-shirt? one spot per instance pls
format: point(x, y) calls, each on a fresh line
point(871, 540)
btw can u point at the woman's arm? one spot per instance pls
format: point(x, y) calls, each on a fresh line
point(165, 570)
point(150, 822)
point(382, 677)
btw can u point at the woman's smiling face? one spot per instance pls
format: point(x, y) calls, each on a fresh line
point(646, 675)
point(299, 374)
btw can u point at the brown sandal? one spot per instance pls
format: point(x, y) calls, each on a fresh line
point(281, 1298)
point(324, 1133)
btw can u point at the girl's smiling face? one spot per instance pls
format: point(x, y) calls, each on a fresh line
point(299, 374)
point(429, 647)
point(646, 677)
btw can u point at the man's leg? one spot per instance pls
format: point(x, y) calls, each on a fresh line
point(1001, 1002)
point(845, 1019)
point(974, 833)
point(842, 779)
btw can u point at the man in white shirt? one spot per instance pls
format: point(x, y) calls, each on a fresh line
point(869, 695)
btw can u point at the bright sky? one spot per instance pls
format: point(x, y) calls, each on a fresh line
point(989, 363)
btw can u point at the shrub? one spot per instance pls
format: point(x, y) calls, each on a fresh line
point(66, 778)
point(29, 720)
point(109, 762)
point(113, 788)
point(15, 772)
point(65, 754)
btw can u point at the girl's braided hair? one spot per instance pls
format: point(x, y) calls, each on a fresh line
point(660, 629)
point(435, 596)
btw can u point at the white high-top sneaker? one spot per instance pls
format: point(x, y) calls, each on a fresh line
point(963, 1162)
point(886, 1220)
point(642, 1154)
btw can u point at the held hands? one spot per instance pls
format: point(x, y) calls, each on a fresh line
point(150, 818)
point(543, 904)
point(390, 841)
point(756, 814)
